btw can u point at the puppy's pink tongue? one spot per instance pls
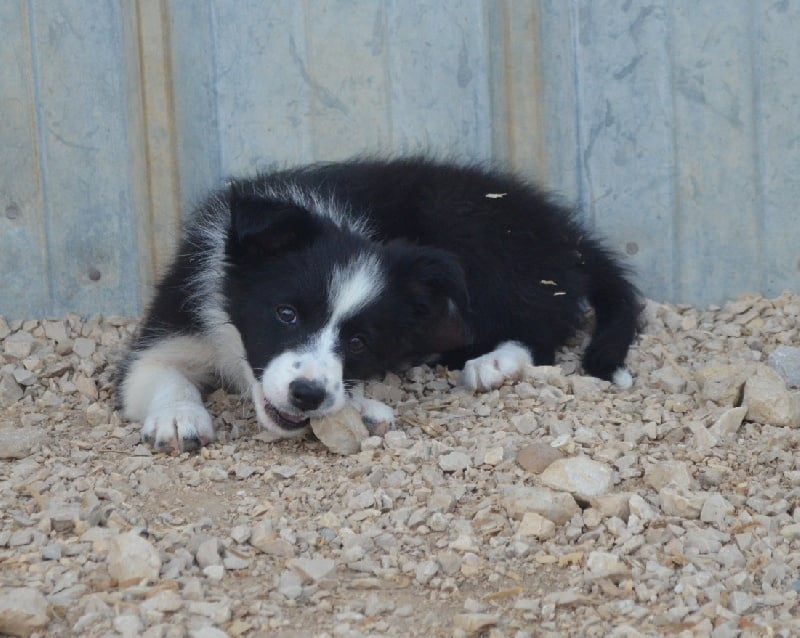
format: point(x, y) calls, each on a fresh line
point(292, 417)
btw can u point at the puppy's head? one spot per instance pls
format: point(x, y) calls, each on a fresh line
point(317, 304)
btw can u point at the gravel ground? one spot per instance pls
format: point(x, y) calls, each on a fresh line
point(554, 506)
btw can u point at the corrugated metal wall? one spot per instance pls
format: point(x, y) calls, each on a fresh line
point(674, 125)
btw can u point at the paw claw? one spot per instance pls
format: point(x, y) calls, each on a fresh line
point(191, 443)
point(183, 427)
point(492, 369)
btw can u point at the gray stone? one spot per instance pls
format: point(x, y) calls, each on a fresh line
point(474, 623)
point(668, 379)
point(342, 432)
point(605, 565)
point(722, 383)
point(535, 525)
point(558, 507)
point(19, 345)
point(537, 456)
point(715, 508)
point(10, 392)
point(729, 422)
point(290, 584)
point(23, 611)
point(664, 472)
point(129, 625)
point(769, 401)
point(313, 570)
point(578, 475)
point(18, 443)
point(739, 602)
point(454, 461)
point(208, 553)
point(55, 330)
point(83, 347)
point(680, 502)
point(426, 570)
point(132, 559)
point(785, 360)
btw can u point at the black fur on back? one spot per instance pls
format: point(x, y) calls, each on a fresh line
point(528, 262)
point(528, 265)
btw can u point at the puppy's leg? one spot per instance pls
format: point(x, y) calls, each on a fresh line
point(372, 411)
point(161, 389)
point(490, 370)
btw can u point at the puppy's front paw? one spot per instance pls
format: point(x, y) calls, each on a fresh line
point(492, 369)
point(374, 412)
point(183, 427)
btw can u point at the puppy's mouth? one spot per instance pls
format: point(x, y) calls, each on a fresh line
point(284, 419)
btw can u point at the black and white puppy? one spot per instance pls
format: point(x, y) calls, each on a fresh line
point(295, 284)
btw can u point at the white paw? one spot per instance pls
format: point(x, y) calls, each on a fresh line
point(490, 370)
point(183, 427)
point(622, 378)
point(374, 412)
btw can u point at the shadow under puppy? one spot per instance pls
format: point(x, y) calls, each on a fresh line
point(295, 285)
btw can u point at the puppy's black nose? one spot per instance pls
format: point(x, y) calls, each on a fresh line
point(306, 395)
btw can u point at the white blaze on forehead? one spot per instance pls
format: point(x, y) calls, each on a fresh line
point(354, 286)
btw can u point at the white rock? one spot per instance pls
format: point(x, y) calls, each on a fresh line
point(132, 559)
point(715, 508)
point(729, 422)
point(396, 440)
point(219, 612)
point(785, 360)
point(23, 611)
point(426, 570)
point(722, 383)
point(739, 602)
point(10, 392)
point(605, 565)
point(612, 505)
point(578, 475)
point(167, 600)
point(234, 562)
point(641, 508)
point(313, 570)
point(536, 525)
point(664, 472)
point(240, 533)
point(558, 507)
point(290, 584)
point(703, 438)
point(214, 572)
point(208, 632)
point(129, 625)
point(454, 461)
point(55, 330)
point(493, 456)
point(342, 432)
point(769, 401)
point(668, 379)
point(208, 553)
point(475, 623)
point(19, 345)
point(83, 347)
point(680, 502)
point(18, 443)
point(23, 376)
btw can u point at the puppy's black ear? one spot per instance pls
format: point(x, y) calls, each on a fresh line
point(263, 226)
point(437, 289)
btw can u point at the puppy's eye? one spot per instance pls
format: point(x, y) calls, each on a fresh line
point(356, 344)
point(286, 314)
